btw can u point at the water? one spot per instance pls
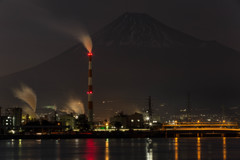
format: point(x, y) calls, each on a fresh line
point(122, 149)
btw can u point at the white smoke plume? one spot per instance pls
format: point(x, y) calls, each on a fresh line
point(32, 11)
point(74, 106)
point(27, 110)
point(27, 95)
point(87, 41)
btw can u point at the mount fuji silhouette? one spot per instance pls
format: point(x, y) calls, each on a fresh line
point(136, 56)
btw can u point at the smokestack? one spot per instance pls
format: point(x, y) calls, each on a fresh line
point(90, 90)
point(189, 107)
point(150, 109)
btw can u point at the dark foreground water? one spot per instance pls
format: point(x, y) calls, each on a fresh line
point(122, 149)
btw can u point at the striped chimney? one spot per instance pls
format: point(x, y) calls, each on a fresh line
point(90, 90)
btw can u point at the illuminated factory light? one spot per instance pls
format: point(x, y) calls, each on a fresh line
point(107, 127)
point(90, 54)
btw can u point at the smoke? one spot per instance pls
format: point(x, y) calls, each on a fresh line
point(76, 31)
point(87, 41)
point(74, 106)
point(68, 26)
point(27, 95)
point(54, 107)
point(29, 111)
point(34, 11)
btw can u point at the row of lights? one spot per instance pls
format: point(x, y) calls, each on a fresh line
point(132, 120)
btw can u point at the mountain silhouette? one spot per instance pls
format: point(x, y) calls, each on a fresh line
point(135, 56)
point(137, 29)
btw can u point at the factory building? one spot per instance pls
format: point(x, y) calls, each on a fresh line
point(135, 121)
point(12, 120)
point(69, 121)
point(128, 121)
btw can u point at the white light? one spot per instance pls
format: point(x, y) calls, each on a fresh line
point(154, 121)
point(13, 132)
point(132, 120)
point(150, 124)
point(147, 118)
point(138, 120)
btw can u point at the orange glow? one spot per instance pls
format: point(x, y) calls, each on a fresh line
point(90, 54)
point(198, 148)
point(107, 149)
point(176, 148)
point(58, 124)
point(85, 133)
point(224, 149)
point(233, 125)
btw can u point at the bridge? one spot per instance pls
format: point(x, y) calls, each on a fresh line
point(201, 129)
point(198, 124)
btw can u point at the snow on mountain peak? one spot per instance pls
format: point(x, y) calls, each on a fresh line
point(138, 29)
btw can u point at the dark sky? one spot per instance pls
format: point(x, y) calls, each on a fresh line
point(33, 31)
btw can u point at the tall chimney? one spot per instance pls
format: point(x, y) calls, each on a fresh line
point(90, 90)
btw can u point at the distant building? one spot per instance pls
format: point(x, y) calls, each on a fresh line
point(6, 124)
point(135, 121)
point(12, 120)
point(128, 121)
point(122, 118)
point(69, 121)
point(82, 122)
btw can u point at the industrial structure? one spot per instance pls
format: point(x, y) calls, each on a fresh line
point(11, 121)
point(128, 121)
point(90, 90)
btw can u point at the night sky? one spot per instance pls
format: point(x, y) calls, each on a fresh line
point(33, 31)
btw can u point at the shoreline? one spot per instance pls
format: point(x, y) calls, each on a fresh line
point(116, 134)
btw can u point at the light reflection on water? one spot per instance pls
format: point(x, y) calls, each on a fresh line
point(224, 149)
point(107, 149)
point(149, 149)
point(19, 147)
point(176, 148)
point(198, 148)
point(141, 149)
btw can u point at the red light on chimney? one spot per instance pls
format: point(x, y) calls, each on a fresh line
point(90, 54)
point(89, 92)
